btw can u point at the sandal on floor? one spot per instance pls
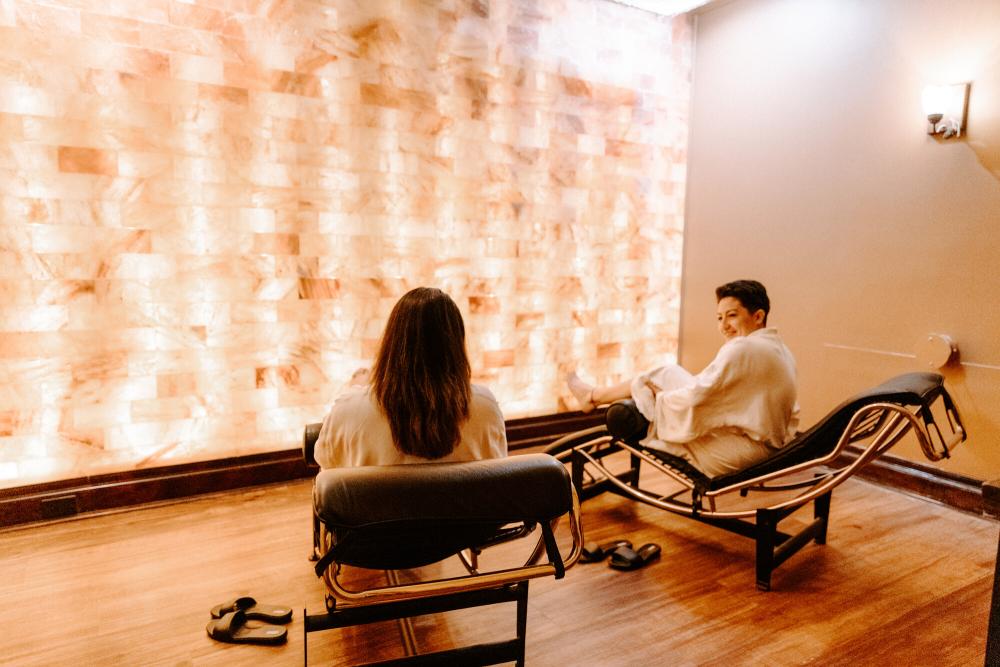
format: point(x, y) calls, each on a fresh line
point(595, 553)
point(254, 611)
point(232, 628)
point(624, 558)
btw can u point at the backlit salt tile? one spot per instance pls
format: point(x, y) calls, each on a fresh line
point(9, 472)
point(114, 390)
point(34, 318)
point(35, 17)
point(190, 15)
point(40, 468)
point(284, 419)
point(110, 28)
point(162, 410)
point(92, 418)
point(196, 68)
point(87, 160)
point(8, 13)
point(175, 384)
point(25, 100)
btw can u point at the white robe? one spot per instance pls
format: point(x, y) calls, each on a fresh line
point(737, 411)
point(356, 433)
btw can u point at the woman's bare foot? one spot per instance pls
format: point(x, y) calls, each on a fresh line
point(582, 392)
point(360, 378)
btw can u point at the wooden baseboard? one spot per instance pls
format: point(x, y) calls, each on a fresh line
point(951, 489)
point(66, 498)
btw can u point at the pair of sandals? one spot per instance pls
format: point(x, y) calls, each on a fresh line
point(245, 621)
point(623, 556)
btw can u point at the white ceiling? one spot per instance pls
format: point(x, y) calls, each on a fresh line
point(665, 7)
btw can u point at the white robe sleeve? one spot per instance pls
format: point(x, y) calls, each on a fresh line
point(687, 412)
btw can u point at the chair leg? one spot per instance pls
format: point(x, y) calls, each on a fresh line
point(314, 556)
point(576, 471)
point(821, 511)
point(405, 623)
point(767, 524)
point(634, 464)
point(522, 621)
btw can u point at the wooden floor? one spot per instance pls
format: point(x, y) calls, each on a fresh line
point(901, 581)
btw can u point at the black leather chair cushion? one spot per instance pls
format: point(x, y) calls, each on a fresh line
point(392, 517)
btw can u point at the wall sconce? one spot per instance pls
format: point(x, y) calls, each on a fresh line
point(946, 108)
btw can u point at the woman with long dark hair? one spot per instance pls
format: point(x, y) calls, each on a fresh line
point(418, 403)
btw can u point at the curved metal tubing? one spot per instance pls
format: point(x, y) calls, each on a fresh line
point(476, 581)
point(892, 430)
point(638, 494)
point(564, 446)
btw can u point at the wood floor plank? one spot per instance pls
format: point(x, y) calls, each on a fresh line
point(901, 581)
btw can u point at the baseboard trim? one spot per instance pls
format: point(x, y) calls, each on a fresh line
point(95, 493)
point(66, 498)
point(952, 489)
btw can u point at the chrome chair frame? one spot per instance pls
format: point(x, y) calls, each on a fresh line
point(339, 596)
point(880, 424)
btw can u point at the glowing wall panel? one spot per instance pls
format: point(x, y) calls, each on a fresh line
point(209, 208)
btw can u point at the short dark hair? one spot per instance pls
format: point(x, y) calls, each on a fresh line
point(750, 293)
point(421, 378)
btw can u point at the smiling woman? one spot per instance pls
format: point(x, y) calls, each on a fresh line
point(737, 411)
point(742, 308)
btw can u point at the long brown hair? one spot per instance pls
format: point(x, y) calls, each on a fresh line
point(421, 378)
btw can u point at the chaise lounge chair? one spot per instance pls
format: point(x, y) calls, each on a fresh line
point(804, 471)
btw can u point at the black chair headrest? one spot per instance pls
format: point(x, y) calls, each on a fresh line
point(392, 517)
point(309, 436)
point(625, 422)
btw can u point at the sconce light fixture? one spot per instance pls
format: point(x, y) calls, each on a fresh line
point(946, 108)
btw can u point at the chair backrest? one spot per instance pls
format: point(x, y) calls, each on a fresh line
point(309, 436)
point(909, 389)
point(404, 516)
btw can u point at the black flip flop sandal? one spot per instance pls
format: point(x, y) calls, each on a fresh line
point(256, 612)
point(595, 553)
point(233, 628)
point(624, 558)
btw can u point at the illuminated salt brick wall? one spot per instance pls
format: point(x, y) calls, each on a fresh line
point(209, 208)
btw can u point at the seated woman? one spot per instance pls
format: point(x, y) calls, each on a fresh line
point(418, 403)
point(735, 412)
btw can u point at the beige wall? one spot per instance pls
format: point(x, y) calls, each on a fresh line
point(208, 208)
point(810, 170)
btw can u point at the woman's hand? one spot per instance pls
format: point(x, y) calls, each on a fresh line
point(653, 387)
